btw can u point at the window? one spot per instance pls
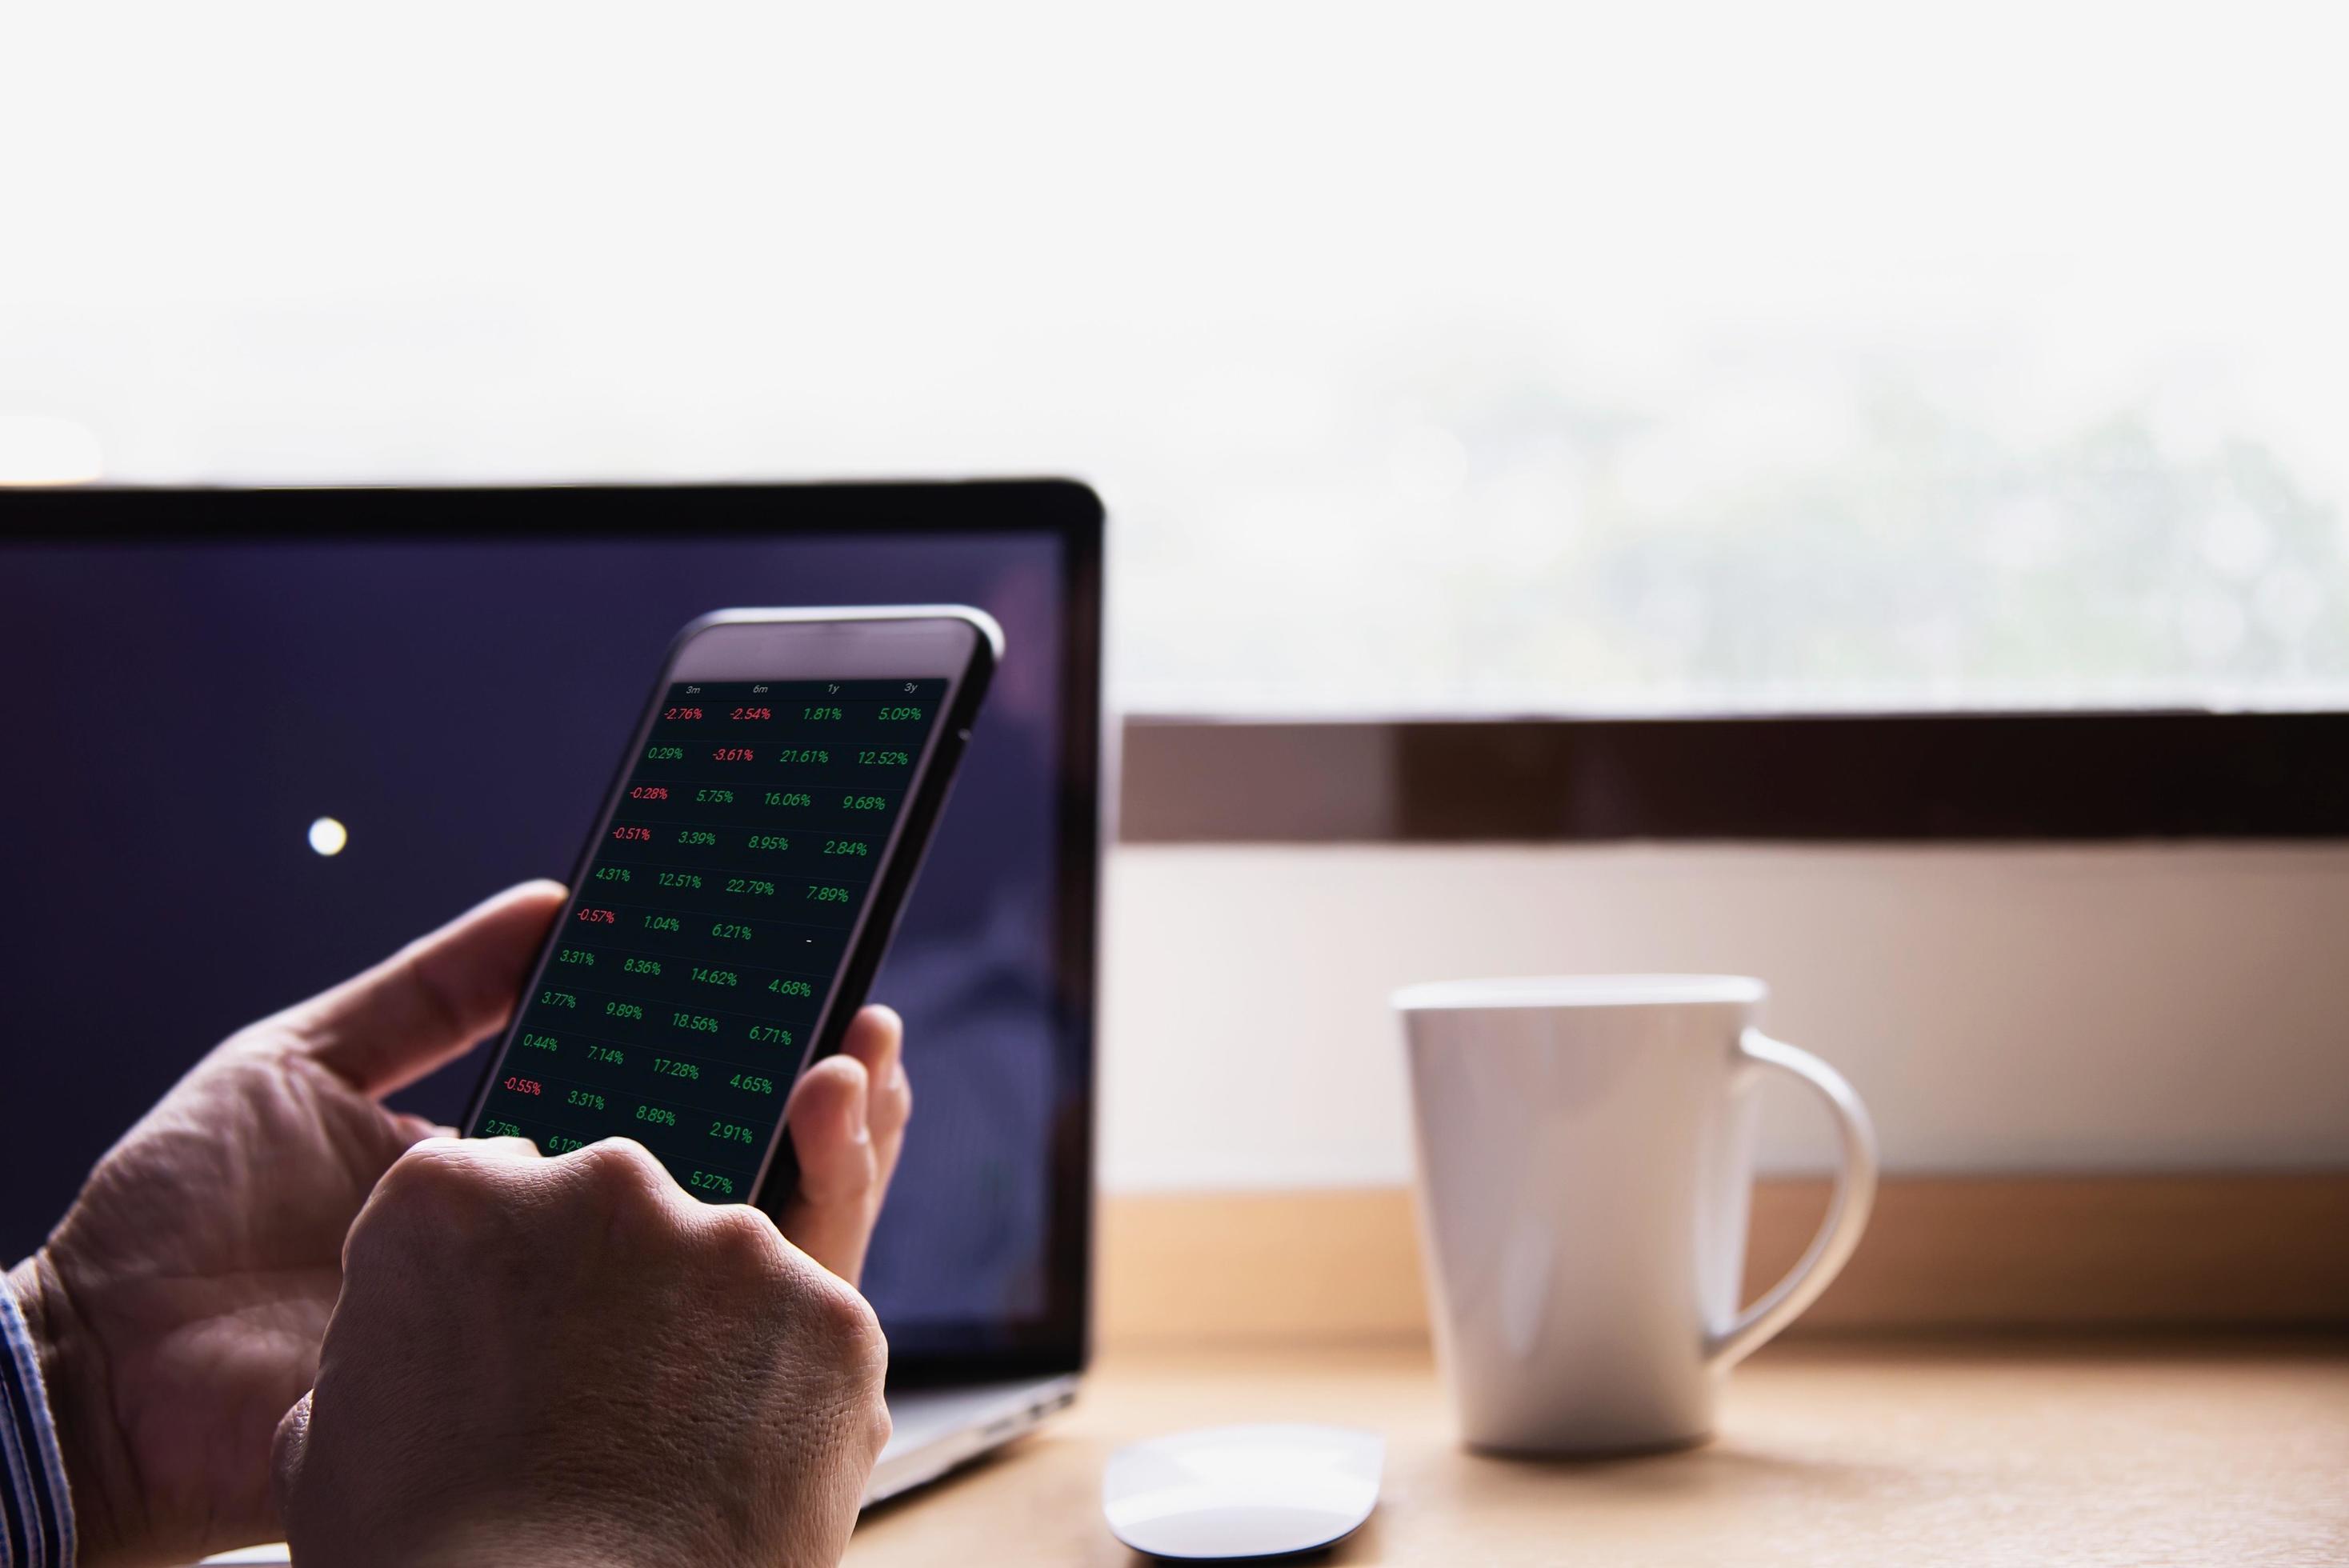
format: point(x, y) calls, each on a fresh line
point(1475, 357)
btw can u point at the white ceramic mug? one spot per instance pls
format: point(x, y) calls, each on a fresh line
point(1585, 1160)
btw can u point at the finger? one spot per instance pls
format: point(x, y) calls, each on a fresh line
point(448, 1146)
point(877, 1038)
point(419, 1186)
point(848, 1118)
point(830, 1216)
point(417, 1129)
point(449, 1154)
point(431, 999)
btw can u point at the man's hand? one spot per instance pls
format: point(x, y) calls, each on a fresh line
point(179, 1303)
point(572, 1361)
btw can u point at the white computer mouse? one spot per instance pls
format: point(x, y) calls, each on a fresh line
point(1242, 1491)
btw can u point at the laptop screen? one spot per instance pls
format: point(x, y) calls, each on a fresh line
point(205, 694)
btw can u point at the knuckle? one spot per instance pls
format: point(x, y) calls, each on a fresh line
point(435, 1174)
point(742, 1239)
point(288, 1448)
point(437, 1200)
point(620, 1170)
point(892, 1102)
point(877, 1424)
point(847, 1179)
point(851, 1332)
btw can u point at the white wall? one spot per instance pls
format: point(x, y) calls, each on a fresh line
point(2001, 1010)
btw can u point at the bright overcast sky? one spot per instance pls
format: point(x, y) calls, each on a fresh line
point(1313, 291)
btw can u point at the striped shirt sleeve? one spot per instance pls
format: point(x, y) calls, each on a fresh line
point(37, 1523)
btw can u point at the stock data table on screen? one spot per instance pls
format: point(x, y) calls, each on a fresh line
point(709, 928)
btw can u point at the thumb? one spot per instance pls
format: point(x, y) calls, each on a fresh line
point(431, 999)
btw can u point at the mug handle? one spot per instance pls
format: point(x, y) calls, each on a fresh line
point(1855, 1195)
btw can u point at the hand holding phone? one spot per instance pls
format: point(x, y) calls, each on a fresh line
point(607, 1383)
point(741, 887)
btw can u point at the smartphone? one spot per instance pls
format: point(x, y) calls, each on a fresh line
point(740, 886)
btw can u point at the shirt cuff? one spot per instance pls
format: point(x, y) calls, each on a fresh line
point(36, 1522)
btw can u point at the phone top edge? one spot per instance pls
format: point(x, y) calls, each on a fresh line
point(986, 635)
point(986, 624)
point(860, 641)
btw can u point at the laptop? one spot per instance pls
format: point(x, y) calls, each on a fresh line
point(293, 653)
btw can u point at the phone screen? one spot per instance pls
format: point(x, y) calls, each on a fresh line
point(703, 942)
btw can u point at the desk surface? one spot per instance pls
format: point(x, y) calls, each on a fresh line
point(1829, 1452)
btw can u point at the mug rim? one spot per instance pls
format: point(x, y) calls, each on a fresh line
point(1543, 991)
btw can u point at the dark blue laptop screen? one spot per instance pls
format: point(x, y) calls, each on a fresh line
point(180, 715)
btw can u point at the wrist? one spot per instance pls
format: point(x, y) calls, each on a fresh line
point(513, 1543)
point(73, 1375)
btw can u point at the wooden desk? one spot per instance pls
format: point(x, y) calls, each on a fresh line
point(1831, 1451)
